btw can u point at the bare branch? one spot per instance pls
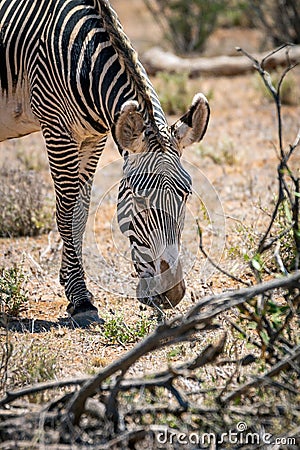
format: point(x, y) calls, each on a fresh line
point(40, 387)
point(208, 355)
point(179, 327)
point(282, 365)
point(216, 266)
point(226, 300)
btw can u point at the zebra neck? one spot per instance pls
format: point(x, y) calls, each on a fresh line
point(137, 77)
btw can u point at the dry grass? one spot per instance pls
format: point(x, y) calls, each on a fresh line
point(25, 209)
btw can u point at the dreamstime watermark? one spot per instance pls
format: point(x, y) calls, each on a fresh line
point(240, 436)
point(112, 270)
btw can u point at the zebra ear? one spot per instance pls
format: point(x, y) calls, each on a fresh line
point(129, 128)
point(192, 126)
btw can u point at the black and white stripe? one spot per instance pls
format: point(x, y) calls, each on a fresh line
point(68, 68)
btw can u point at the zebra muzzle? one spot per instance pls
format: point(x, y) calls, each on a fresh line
point(161, 290)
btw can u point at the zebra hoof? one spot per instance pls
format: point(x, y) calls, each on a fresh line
point(85, 315)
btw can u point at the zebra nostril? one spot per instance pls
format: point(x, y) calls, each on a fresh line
point(147, 275)
point(164, 266)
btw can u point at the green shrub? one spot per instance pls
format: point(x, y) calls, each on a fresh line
point(237, 14)
point(23, 207)
point(116, 331)
point(13, 294)
point(187, 24)
point(174, 92)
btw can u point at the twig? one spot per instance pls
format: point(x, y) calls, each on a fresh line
point(215, 265)
point(284, 156)
point(40, 387)
point(273, 52)
point(167, 409)
point(287, 319)
point(272, 241)
point(227, 384)
point(281, 365)
point(112, 410)
point(183, 404)
point(284, 387)
point(226, 300)
point(243, 333)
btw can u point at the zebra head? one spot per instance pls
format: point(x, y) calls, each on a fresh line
point(153, 194)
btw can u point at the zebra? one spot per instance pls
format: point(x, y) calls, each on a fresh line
point(67, 68)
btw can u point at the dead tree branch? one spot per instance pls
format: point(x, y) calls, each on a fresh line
point(40, 387)
point(179, 328)
point(282, 365)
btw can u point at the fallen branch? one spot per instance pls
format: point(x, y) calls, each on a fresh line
point(165, 334)
point(198, 318)
point(157, 60)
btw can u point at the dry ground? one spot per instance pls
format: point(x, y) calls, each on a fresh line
point(236, 162)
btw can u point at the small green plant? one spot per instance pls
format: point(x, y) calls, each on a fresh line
point(175, 352)
point(23, 205)
point(224, 154)
point(13, 294)
point(116, 331)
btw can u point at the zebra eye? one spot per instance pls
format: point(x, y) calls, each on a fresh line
point(141, 202)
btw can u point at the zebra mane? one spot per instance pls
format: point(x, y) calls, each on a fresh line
point(126, 52)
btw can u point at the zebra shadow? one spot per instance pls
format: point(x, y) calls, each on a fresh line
point(35, 325)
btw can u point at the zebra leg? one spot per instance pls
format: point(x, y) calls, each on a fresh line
point(89, 154)
point(72, 200)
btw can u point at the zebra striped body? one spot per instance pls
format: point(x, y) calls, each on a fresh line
point(68, 69)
